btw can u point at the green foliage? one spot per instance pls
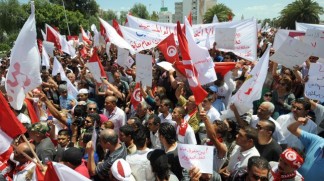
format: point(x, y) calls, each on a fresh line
point(108, 15)
point(4, 47)
point(123, 16)
point(86, 7)
point(12, 16)
point(154, 16)
point(221, 11)
point(139, 10)
point(305, 11)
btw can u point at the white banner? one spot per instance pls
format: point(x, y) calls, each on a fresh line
point(291, 53)
point(314, 87)
point(225, 38)
point(282, 35)
point(305, 26)
point(139, 39)
point(245, 37)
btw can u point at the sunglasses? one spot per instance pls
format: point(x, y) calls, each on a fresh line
point(267, 95)
point(91, 108)
point(88, 121)
point(257, 177)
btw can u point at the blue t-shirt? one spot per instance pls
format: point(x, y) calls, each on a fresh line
point(312, 169)
point(65, 103)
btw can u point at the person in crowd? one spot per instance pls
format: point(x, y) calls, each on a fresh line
point(282, 97)
point(168, 139)
point(264, 112)
point(311, 169)
point(212, 113)
point(300, 108)
point(287, 167)
point(83, 95)
point(135, 123)
point(185, 133)
point(92, 108)
point(217, 103)
point(153, 124)
point(114, 113)
point(72, 157)
point(126, 136)
point(66, 101)
point(25, 167)
point(108, 139)
point(266, 145)
point(64, 143)
point(164, 111)
point(45, 148)
point(140, 165)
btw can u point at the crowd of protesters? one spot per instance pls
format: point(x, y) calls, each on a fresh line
point(281, 138)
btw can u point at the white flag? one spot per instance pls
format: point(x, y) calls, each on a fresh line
point(45, 58)
point(58, 69)
point(200, 58)
point(252, 87)
point(24, 71)
point(114, 37)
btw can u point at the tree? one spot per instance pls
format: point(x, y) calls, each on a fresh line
point(154, 16)
point(220, 10)
point(86, 7)
point(122, 17)
point(305, 11)
point(139, 10)
point(12, 16)
point(109, 15)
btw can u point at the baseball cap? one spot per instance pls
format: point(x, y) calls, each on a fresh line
point(40, 127)
point(213, 88)
point(121, 170)
point(83, 91)
point(72, 155)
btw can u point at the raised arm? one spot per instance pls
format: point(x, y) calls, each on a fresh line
point(294, 127)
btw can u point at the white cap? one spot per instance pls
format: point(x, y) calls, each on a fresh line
point(121, 170)
point(83, 91)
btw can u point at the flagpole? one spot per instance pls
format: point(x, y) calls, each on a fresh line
point(67, 23)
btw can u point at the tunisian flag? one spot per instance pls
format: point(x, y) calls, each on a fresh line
point(24, 71)
point(85, 37)
point(10, 126)
point(188, 67)
point(136, 96)
point(169, 49)
point(53, 36)
point(95, 66)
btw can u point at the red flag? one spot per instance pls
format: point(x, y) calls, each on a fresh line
point(136, 96)
point(84, 52)
point(189, 69)
point(103, 32)
point(85, 37)
point(224, 67)
point(8, 120)
point(169, 49)
point(117, 28)
point(31, 111)
point(57, 171)
point(40, 45)
point(126, 20)
point(72, 37)
point(53, 36)
point(39, 174)
point(190, 18)
point(96, 67)
point(51, 173)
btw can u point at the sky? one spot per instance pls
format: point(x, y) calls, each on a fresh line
point(258, 9)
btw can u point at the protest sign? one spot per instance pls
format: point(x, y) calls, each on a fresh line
point(315, 38)
point(314, 87)
point(196, 155)
point(122, 57)
point(291, 53)
point(166, 66)
point(144, 69)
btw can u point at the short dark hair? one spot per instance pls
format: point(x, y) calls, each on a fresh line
point(94, 117)
point(127, 130)
point(156, 119)
point(167, 102)
point(222, 128)
point(182, 111)
point(270, 126)
point(139, 138)
point(305, 103)
point(168, 131)
point(251, 133)
point(232, 56)
point(65, 132)
point(258, 162)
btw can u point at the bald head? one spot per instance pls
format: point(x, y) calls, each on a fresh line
point(23, 147)
point(109, 136)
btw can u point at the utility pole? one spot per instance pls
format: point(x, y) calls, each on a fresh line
point(67, 23)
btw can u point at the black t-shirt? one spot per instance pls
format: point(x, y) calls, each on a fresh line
point(271, 151)
point(174, 162)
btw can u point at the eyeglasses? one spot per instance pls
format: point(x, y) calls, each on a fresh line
point(92, 108)
point(88, 121)
point(257, 177)
point(297, 108)
point(267, 95)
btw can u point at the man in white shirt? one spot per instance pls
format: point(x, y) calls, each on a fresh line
point(211, 112)
point(153, 124)
point(140, 165)
point(185, 133)
point(245, 140)
point(114, 113)
point(164, 114)
point(299, 108)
